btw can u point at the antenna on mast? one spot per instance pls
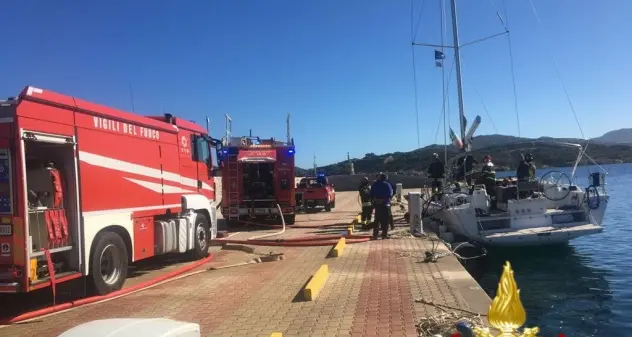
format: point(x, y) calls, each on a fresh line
point(229, 126)
point(208, 127)
point(131, 95)
point(288, 128)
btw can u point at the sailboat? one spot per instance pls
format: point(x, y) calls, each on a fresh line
point(551, 209)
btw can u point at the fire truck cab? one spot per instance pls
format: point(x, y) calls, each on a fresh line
point(86, 189)
point(257, 175)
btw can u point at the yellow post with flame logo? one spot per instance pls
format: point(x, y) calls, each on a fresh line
point(506, 312)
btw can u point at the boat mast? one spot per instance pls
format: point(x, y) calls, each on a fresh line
point(457, 63)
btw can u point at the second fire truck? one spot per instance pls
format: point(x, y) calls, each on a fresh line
point(257, 175)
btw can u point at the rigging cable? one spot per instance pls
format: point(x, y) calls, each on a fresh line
point(444, 89)
point(557, 70)
point(488, 115)
point(511, 60)
point(446, 100)
point(413, 35)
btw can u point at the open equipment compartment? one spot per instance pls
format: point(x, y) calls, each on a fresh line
point(52, 196)
point(258, 182)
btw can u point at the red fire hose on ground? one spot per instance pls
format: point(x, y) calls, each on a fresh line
point(325, 240)
point(93, 299)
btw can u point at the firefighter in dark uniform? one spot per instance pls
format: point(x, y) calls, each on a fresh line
point(381, 194)
point(488, 175)
point(436, 171)
point(525, 173)
point(365, 199)
point(526, 168)
point(465, 169)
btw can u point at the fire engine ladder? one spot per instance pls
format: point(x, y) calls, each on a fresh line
point(233, 188)
point(232, 167)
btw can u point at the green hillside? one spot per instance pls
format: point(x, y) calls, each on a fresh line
point(503, 149)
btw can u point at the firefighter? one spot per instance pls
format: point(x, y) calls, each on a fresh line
point(365, 199)
point(526, 168)
point(488, 175)
point(381, 194)
point(465, 168)
point(436, 171)
point(525, 173)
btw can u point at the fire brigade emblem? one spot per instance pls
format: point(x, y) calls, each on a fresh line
point(184, 141)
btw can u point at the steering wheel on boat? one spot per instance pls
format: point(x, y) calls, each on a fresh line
point(555, 180)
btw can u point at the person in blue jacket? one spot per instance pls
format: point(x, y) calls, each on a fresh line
point(381, 194)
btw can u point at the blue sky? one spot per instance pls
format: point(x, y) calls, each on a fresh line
point(343, 68)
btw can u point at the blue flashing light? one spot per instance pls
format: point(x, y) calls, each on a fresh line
point(290, 151)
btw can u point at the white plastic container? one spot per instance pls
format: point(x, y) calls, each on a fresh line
point(134, 327)
point(414, 209)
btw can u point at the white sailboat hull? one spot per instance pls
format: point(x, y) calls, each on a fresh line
point(531, 222)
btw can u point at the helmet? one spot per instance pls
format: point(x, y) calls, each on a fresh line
point(436, 155)
point(383, 176)
point(487, 158)
point(364, 180)
point(528, 157)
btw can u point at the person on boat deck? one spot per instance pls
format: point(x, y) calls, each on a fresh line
point(488, 175)
point(381, 193)
point(525, 173)
point(365, 199)
point(526, 168)
point(465, 169)
point(436, 171)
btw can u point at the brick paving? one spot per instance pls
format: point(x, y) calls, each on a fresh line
point(371, 291)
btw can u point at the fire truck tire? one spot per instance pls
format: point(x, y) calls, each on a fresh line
point(108, 263)
point(202, 237)
point(290, 219)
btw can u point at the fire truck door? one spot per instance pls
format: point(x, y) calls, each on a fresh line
point(188, 165)
point(204, 163)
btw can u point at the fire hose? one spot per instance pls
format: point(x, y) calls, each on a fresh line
point(119, 293)
point(310, 241)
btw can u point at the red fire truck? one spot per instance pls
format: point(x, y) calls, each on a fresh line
point(257, 174)
point(86, 189)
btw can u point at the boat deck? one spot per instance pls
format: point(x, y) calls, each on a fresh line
point(550, 234)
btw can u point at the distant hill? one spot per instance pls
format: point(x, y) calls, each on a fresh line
point(621, 136)
point(505, 155)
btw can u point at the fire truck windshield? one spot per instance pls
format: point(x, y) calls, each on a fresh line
point(5, 182)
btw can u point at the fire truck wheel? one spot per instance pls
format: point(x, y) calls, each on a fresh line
point(290, 219)
point(108, 263)
point(202, 236)
point(328, 207)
